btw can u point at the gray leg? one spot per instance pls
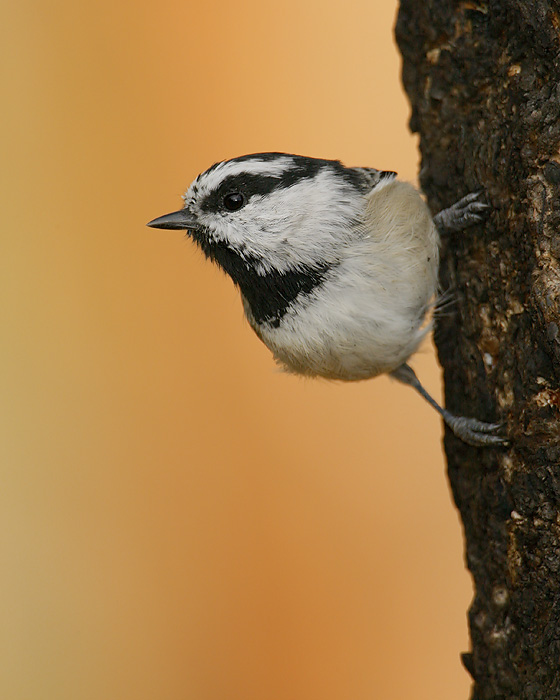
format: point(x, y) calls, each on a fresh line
point(471, 209)
point(470, 430)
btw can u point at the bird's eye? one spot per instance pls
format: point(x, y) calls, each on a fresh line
point(233, 201)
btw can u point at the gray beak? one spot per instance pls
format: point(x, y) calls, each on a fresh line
point(181, 219)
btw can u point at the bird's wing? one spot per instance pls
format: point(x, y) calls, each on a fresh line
point(370, 177)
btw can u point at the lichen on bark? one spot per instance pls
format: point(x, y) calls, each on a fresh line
point(483, 79)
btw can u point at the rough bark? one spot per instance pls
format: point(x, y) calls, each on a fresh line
point(483, 79)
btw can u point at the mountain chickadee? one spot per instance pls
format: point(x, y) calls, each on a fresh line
point(337, 267)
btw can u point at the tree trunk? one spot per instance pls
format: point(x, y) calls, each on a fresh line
point(483, 79)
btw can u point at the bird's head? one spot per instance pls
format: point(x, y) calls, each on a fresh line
point(275, 222)
point(272, 210)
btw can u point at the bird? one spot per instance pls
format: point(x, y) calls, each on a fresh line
point(337, 266)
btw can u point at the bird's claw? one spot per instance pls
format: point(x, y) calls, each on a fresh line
point(470, 209)
point(475, 432)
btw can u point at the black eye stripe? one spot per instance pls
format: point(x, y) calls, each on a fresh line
point(251, 184)
point(247, 184)
point(297, 169)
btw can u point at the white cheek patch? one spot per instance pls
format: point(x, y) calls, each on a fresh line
point(289, 228)
point(300, 225)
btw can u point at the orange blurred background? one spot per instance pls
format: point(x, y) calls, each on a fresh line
point(179, 519)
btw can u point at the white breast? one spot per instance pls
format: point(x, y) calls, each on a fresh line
point(369, 315)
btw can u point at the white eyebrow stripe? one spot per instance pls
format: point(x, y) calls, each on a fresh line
point(278, 166)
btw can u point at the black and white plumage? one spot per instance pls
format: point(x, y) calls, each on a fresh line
point(337, 267)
